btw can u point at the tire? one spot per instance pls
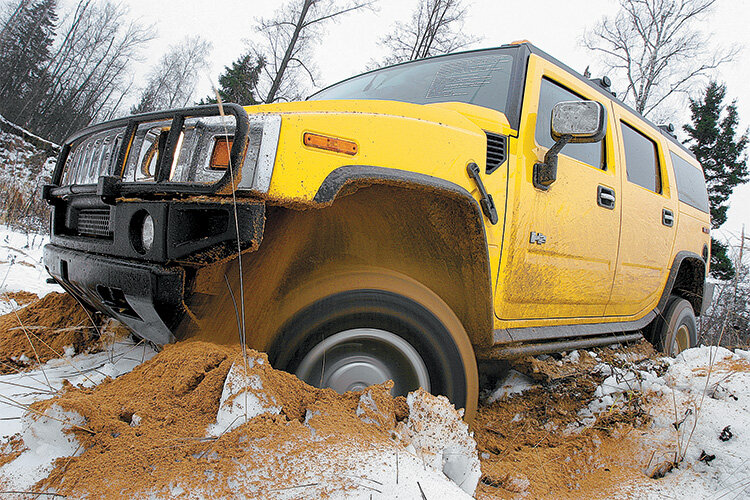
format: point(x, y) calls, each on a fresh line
point(676, 329)
point(356, 338)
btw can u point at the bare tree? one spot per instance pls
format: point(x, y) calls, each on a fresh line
point(657, 46)
point(171, 82)
point(289, 37)
point(727, 321)
point(436, 27)
point(89, 68)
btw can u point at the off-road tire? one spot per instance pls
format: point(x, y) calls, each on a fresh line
point(676, 329)
point(379, 311)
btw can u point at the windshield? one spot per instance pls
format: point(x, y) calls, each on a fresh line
point(482, 78)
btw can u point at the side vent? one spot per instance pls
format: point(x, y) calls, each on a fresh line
point(496, 151)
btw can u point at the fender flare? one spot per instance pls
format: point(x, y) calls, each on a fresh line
point(698, 301)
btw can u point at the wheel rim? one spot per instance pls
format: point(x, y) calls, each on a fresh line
point(681, 339)
point(357, 358)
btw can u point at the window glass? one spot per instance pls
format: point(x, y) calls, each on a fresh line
point(691, 185)
point(482, 78)
point(641, 159)
point(550, 94)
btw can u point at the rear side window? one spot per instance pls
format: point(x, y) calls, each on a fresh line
point(549, 95)
point(641, 159)
point(691, 185)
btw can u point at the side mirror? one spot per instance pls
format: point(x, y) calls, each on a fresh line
point(583, 121)
point(573, 122)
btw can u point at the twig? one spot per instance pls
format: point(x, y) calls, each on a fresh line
point(32, 347)
point(11, 492)
point(421, 491)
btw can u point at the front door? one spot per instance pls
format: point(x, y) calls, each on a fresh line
point(560, 245)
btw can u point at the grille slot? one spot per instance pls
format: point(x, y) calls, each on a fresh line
point(496, 151)
point(94, 222)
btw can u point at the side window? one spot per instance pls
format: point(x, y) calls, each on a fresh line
point(549, 95)
point(691, 185)
point(641, 159)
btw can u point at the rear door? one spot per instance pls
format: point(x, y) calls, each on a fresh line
point(560, 245)
point(649, 218)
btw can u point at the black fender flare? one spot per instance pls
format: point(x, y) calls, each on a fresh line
point(697, 301)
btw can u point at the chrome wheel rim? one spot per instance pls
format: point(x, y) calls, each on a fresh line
point(681, 339)
point(354, 359)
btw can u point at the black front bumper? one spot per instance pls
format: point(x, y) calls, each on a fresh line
point(148, 298)
point(146, 290)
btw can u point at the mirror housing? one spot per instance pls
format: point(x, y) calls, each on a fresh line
point(573, 122)
point(583, 121)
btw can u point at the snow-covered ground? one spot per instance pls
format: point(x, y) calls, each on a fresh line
point(21, 267)
point(44, 437)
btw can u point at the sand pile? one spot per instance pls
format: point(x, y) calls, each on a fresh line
point(45, 328)
point(192, 422)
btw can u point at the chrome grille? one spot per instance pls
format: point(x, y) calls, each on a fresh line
point(92, 157)
point(496, 151)
point(94, 222)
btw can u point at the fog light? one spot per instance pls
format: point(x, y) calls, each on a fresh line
point(147, 233)
point(142, 232)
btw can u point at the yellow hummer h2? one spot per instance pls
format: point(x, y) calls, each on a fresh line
point(398, 225)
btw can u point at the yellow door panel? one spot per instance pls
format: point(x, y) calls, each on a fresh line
point(647, 203)
point(560, 245)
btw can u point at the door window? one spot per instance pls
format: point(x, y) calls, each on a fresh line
point(641, 159)
point(549, 95)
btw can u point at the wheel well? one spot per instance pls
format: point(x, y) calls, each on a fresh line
point(689, 282)
point(432, 237)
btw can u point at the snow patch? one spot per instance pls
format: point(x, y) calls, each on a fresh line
point(437, 434)
point(46, 438)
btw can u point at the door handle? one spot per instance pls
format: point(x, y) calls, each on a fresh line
point(667, 217)
point(605, 197)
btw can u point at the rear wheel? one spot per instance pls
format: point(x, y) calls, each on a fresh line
point(353, 339)
point(676, 329)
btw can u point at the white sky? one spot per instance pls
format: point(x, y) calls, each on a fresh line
point(554, 26)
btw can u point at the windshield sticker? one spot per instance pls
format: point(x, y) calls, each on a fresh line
point(462, 77)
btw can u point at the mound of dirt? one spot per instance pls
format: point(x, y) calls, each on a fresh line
point(191, 421)
point(537, 442)
point(42, 331)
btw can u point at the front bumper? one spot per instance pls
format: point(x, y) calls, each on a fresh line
point(146, 290)
point(148, 298)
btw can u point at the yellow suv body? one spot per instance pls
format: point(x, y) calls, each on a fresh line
point(397, 225)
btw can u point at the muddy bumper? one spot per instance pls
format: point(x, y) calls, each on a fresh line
point(148, 298)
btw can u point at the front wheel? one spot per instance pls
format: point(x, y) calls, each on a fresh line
point(676, 329)
point(353, 339)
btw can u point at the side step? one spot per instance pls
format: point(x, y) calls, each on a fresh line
point(516, 350)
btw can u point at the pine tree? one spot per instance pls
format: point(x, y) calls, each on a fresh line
point(237, 84)
point(712, 139)
point(25, 44)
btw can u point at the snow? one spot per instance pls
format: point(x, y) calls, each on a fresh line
point(241, 399)
point(437, 435)
point(46, 438)
point(513, 383)
point(19, 390)
point(704, 391)
point(21, 266)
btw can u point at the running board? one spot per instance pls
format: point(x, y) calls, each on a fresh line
point(543, 333)
point(512, 351)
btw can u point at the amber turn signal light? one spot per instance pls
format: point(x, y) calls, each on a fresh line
point(330, 143)
point(220, 154)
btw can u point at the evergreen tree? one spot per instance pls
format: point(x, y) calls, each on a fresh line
point(712, 139)
point(25, 44)
point(238, 83)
